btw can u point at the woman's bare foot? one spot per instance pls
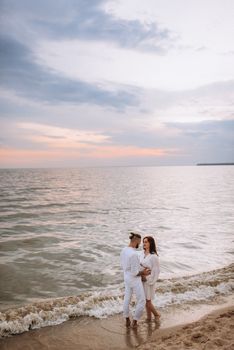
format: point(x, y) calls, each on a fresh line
point(134, 324)
point(157, 318)
point(128, 322)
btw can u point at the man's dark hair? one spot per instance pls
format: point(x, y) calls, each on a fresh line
point(134, 235)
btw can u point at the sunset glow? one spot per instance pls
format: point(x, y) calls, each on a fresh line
point(114, 83)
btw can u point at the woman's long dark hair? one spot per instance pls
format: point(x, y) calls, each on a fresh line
point(153, 248)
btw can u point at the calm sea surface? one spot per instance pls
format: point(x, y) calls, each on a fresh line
point(61, 230)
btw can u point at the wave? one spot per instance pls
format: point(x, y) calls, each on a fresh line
point(176, 291)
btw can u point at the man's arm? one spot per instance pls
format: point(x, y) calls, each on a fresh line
point(135, 267)
point(144, 272)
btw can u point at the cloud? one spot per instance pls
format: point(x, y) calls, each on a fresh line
point(207, 141)
point(58, 137)
point(207, 129)
point(173, 143)
point(102, 83)
point(19, 73)
point(101, 61)
point(208, 102)
point(230, 53)
point(69, 19)
point(44, 145)
point(90, 142)
point(193, 141)
point(107, 155)
point(41, 142)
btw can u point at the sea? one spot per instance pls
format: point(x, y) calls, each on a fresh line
point(62, 231)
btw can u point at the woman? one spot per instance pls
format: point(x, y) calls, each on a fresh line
point(149, 259)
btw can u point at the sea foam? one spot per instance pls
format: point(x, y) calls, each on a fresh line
point(178, 291)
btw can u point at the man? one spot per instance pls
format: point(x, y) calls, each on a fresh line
point(133, 272)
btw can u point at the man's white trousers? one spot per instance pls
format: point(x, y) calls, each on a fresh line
point(134, 286)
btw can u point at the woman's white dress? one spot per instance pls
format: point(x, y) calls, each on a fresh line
point(152, 262)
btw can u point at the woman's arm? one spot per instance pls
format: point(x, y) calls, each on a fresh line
point(154, 262)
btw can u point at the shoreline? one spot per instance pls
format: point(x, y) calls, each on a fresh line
point(213, 331)
point(214, 164)
point(193, 325)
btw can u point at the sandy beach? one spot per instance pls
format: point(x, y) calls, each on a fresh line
point(197, 328)
point(215, 331)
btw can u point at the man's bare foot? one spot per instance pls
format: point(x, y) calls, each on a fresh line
point(134, 324)
point(158, 315)
point(128, 322)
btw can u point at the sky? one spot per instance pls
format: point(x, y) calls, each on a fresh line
point(116, 83)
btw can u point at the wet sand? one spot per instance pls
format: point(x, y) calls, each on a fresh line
point(177, 330)
point(215, 331)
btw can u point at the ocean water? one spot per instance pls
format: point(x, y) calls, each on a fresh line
point(62, 230)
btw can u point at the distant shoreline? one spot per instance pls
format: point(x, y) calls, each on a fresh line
point(208, 164)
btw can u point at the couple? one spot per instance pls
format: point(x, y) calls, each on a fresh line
point(140, 276)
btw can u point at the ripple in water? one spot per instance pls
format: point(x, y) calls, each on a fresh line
point(61, 231)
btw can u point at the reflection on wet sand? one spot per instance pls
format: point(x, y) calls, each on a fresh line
point(137, 336)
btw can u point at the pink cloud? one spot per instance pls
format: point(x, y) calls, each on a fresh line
point(18, 157)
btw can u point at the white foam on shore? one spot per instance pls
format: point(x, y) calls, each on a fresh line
point(53, 312)
point(179, 291)
point(197, 295)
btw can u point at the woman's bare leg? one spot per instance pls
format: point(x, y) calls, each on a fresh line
point(153, 310)
point(128, 322)
point(148, 310)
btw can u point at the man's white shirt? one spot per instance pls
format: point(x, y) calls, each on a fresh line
point(130, 263)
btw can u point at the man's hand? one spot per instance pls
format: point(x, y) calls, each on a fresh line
point(146, 271)
point(143, 278)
